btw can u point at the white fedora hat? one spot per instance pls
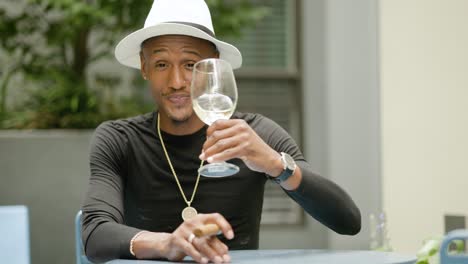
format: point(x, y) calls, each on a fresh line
point(175, 17)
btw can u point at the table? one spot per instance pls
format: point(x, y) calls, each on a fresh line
point(301, 256)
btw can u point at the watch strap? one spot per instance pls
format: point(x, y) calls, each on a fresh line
point(284, 176)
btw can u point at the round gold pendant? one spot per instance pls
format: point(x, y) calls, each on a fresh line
point(188, 212)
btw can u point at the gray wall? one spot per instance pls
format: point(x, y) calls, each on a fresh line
point(341, 102)
point(48, 172)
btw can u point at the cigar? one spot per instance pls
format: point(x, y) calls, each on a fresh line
point(206, 230)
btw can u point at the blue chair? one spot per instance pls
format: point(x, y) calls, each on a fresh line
point(14, 235)
point(80, 256)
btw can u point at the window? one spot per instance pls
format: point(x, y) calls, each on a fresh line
point(269, 84)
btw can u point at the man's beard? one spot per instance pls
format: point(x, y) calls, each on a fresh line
point(181, 119)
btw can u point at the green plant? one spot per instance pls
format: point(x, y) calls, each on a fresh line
point(429, 253)
point(52, 44)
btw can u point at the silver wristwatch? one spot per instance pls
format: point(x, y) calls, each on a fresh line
point(289, 166)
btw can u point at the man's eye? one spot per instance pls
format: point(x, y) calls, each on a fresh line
point(160, 65)
point(189, 66)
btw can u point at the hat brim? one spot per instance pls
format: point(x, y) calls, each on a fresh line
point(127, 52)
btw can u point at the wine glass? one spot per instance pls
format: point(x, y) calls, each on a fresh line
point(214, 96)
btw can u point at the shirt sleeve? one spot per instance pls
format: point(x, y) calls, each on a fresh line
point(321, 198)
point(327, 202)
point(104, 234)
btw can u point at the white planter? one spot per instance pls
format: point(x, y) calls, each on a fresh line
point(46, 170)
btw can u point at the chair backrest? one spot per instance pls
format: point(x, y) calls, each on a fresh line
point(14, 235)
point(450, 258)
point(79, 252)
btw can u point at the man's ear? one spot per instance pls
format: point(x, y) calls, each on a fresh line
point(143, 65)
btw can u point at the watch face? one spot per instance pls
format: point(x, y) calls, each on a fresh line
point(290, 163)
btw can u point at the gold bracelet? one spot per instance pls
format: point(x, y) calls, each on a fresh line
point(133, 240)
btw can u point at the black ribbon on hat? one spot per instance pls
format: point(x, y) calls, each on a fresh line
point(198, 26)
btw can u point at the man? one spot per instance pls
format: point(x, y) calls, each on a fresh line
point(144, 169)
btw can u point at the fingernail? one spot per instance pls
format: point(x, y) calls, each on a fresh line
point(218, 259)
point(226, 258)
point(230, 234)
point(202, 156)
point(210, 159)
point(204, 260)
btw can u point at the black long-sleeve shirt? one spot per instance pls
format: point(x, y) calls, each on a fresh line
point(131, 187)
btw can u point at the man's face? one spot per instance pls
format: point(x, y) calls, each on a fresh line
point(167, 63)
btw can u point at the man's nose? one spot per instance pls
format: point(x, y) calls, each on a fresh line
point(177, 79)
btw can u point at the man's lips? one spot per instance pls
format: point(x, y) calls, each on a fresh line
point(178, 98)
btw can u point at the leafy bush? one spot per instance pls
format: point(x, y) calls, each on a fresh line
point(51, 44)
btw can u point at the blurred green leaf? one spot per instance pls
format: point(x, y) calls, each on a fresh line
point(52, 43)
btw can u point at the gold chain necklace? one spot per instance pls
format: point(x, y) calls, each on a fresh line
point(189, 211)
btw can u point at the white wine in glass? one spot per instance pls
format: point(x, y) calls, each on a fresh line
point(214, 96)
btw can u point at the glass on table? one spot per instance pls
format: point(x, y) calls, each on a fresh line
point(379, 236)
